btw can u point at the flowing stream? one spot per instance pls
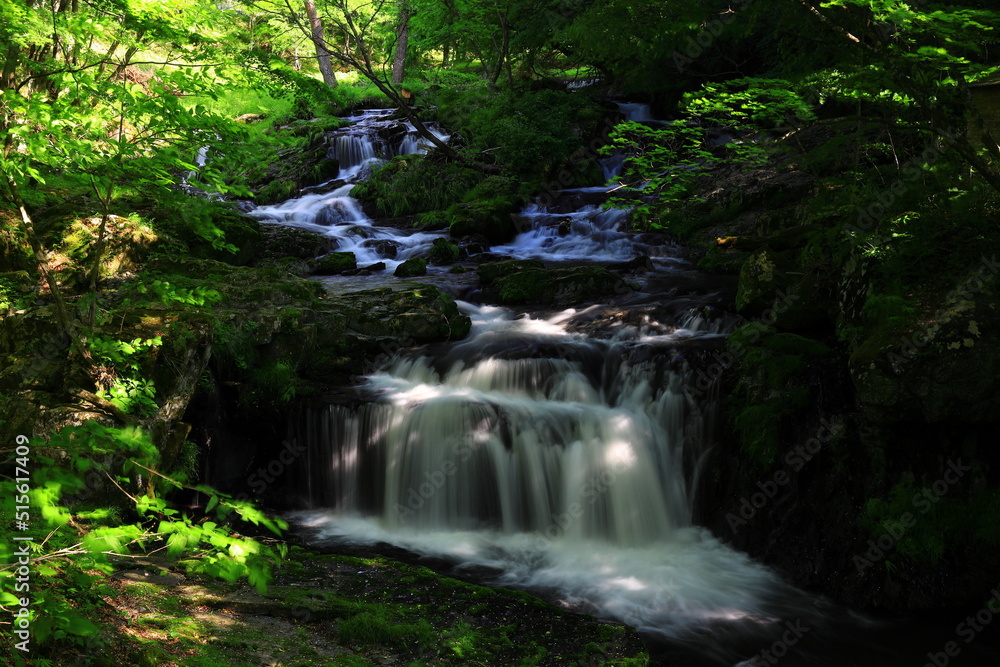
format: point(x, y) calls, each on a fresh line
point(555, 451)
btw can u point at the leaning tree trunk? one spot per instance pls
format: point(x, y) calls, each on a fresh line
point(322, 53)
point(402, 38)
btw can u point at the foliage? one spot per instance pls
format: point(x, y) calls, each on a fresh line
point(748, 104)
point(532, 134)
point(79, 481)
point(662, 167)
point(124, 384)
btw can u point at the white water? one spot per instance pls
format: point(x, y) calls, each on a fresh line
point(338, 215)
point(561, 461)
point(636, 112)
point(553, 459)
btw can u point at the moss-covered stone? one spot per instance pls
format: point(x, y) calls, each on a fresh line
point(280, 241)
point(334, 263)
point(490, 218)
point(527, 281)
point(128, 242)
point(944, 368)
point(444, 252)
point(411, 268)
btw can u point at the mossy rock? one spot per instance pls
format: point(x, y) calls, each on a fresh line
point(276, 191)
point(491, 219)
point(444, 252)
point(490, 272)
point(280, 241)
point(527, 281)
point(411, 268)
point(400, 187)
point(760, 279)
point(334, 263)
point(938, 370)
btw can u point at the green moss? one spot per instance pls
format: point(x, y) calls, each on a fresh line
point(371, 629)
point(17, 288)
point(771, 386)
point(334, 263)
point(926, 527)
point(411, 268)
point(489, 218)
point(277, 190)
point(527, 281)
point(400, 187)
point(443, 251)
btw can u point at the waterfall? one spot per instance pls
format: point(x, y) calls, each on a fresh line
point(557, 450)
point(339, 216)
point(353, 151)
point(636, 112)
point(510, 442)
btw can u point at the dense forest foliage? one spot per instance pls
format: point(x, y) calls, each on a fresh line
point(889, 107)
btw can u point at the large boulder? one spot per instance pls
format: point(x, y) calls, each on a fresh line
point(528, 281)
point(411, 268)
point(940, 369)
point(444, 252)
point(334, 263)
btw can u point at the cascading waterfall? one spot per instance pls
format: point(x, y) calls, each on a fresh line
point(555, 450)
point(508, 442)
point(336, 214)
point(555, 458)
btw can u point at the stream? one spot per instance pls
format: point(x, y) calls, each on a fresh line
point(553, 451)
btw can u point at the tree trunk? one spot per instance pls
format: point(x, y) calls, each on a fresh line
point(322, 53)
point(445, 60)
point(402, 38)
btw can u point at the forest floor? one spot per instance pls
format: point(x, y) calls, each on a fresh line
point(323, 609)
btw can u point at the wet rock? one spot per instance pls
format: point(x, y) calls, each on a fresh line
point(280, 241)
point(334, 213)
point(639, 264)
point(384, 247)
point(444, 252)
point(527, 281)
point(490, 219)
point(333, 263)
point(377, 266)
point(416, 266)
point(392, 134)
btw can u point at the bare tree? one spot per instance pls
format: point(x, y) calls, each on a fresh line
point(402, 39)
point(322, 54)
